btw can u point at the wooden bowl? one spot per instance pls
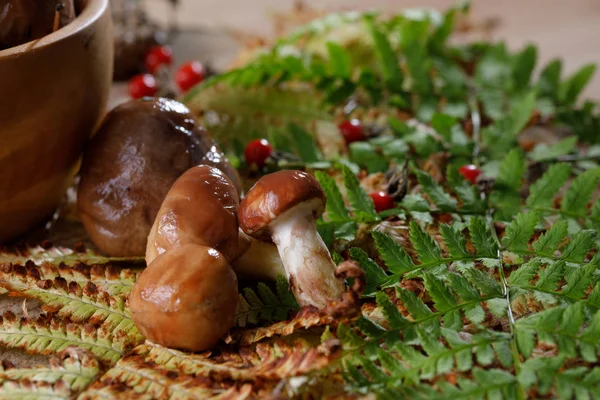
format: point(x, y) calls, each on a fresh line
point(53, 92)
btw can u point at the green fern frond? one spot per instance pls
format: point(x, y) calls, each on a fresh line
point(48, 335)
point(400, 265)
point(240, 114)
point(267, 306)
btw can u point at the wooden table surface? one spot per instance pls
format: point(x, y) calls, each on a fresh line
point(566, 29)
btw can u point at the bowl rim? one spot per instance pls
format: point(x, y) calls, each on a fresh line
point(92, 11)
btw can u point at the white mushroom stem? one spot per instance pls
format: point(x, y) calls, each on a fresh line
point(259, 260)
point(307, 262)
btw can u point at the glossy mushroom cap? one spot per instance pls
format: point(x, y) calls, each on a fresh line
point(129, 166)
point(275, 194)
point(185, 299)
point(200, 208)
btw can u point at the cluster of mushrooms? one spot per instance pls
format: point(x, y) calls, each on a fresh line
point(153, 182)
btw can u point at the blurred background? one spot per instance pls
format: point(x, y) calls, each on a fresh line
point(566, 29)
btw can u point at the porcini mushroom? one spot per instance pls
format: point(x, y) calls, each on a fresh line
point(185, 299)
point(141, 148)
point(283, 207)
point(200, 208)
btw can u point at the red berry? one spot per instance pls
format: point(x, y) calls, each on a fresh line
point(257, 152)
point(142, 85)
point(382, 201)
point(470, 172)
point(189, 75)
point(157, 56)
point(352, 130)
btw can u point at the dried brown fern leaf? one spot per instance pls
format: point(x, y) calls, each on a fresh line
point(267, 361)
point(76, 301)
point(68, 374)
point(134, 377)
point(345, 309)
point(49, 334)
point(25, 389)
point(306, 318)
point(56, 255)
point(109, 277)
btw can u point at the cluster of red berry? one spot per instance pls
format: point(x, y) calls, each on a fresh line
point(186, 76)
point(258, 151)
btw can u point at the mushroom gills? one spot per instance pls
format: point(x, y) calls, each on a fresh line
point(306, 259)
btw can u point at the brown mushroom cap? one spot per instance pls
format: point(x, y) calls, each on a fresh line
point(200, 208)
point(141, 148)
point(273, 195)
point(185, 299)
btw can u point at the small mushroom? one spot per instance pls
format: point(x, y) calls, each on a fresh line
point(141, 148)
point(284, 207)
point(200, 208)
point(186, 298)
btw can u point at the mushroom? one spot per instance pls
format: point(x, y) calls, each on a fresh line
point(141, 148)
point(186, 298)
point(200, 208)
point(284, 207)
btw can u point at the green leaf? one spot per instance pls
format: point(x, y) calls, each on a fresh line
point(339, 60)
point(544, 152)
point(524, 64)
point(440, 293)
point(455, 242)
point(467, 193)
point(443, 124)
point(462, 287)
point(482, 238)
point(578, 282)
point(424, 244)
point(335, 206)
point(519, 231)
point(413, 304)
point(550, 79)
point(374, 274)
point(367, 155)
point(580, 192)
point(579, 246)
point(488, 286)
point(520, 113)
point(550, 276)
point(512, 170)
point(525, 273)
point(549, 241)
point(396, 258)
point(390, 311)
point(574, 85)
point(542, 192)
point(305, 143)
point(360, 201)
point(386, 57)
point(525, 341)
point(435, 192)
